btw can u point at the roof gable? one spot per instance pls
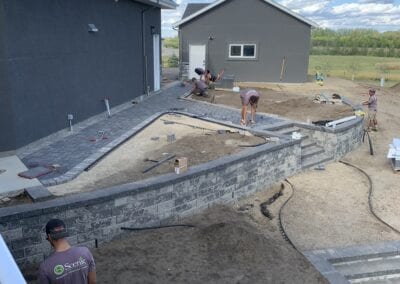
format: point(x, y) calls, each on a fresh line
point(163, 4)
point(218, 2)
point(192, 8)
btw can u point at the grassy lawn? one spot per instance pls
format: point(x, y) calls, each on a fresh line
point(364, 68)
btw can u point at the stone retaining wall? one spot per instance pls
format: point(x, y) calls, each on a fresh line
point(336, 141)
point(99, 215)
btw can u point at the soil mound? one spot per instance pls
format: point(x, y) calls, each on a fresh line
point(224, 247)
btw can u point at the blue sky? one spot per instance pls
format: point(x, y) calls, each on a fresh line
point(381, 15)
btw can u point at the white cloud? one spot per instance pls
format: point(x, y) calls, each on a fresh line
point(376, 1)
point(355, 9)
point(299, 5)
point(311, 9)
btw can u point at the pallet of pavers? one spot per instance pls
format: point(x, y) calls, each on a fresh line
point(396, 165)
point(36, 172)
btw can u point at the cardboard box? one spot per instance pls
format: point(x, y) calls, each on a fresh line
point(180, 165)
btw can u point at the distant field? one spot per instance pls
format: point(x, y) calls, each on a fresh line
point(364, 68)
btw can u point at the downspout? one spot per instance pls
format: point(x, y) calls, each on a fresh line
point(145, 79)
point(145, 67)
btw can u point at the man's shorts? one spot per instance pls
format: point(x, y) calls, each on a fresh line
point(372, 114)
point(243, 99)
point(200, 92)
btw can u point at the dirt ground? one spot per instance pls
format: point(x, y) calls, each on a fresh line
point(198, 140)
point(227, 245)
point(237, 244)
point(297, 104)
point(330, 208)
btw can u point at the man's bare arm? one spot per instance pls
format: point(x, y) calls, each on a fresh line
point(92, 277)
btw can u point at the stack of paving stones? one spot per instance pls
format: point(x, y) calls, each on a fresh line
point(374, 263)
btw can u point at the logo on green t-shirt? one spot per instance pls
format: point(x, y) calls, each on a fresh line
point(58, 269)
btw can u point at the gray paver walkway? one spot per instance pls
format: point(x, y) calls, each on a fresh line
point(71, 150)
point(373, 263)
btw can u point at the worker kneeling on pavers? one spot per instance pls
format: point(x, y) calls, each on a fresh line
point(199, 87)
point(67, 264)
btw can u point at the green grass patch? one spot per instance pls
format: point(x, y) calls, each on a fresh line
point(361, 68)
point(170, 61)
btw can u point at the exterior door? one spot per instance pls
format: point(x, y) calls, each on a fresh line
point(197, 58)
point(156, 62)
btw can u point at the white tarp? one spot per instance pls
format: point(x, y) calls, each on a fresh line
point(394, 150)
point(9, 271)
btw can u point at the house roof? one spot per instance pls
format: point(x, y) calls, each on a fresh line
point(192, 8)
point(163, 4)
point(218, 2)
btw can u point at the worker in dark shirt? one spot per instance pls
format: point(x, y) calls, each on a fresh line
point(67, 264)
point(210, 78)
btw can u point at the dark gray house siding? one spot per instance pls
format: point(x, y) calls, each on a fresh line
point(50, 65)
point(7, 137)
point(278, 36)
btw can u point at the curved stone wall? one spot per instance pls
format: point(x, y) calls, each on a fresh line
point(99, 215)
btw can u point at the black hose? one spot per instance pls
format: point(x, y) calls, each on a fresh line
point(371, 149)
point(156, 227)
point(370, 193)
point(281, 228)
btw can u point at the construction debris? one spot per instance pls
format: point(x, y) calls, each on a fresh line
point(320, 168)
point(245, 207)
point(171, 138)
point(181, 165)
point(101, 135)
point(36, 172)
point(158, 163)
point(296, 135)
point(321, 122)
point(325, 99)
point(394, 154)
point(340, 121)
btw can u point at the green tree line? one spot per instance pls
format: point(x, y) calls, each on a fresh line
point(366, 42)
point(171, 42)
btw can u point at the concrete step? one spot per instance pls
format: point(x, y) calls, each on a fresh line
point(311, 151)
point(279, 125)
point(288, 130)
point(305, 143)
point(314, 160)
point(378, 269)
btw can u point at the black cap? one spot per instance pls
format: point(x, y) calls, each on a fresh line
point(56, 229)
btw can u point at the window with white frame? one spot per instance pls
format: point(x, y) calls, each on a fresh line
point(242, 50)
